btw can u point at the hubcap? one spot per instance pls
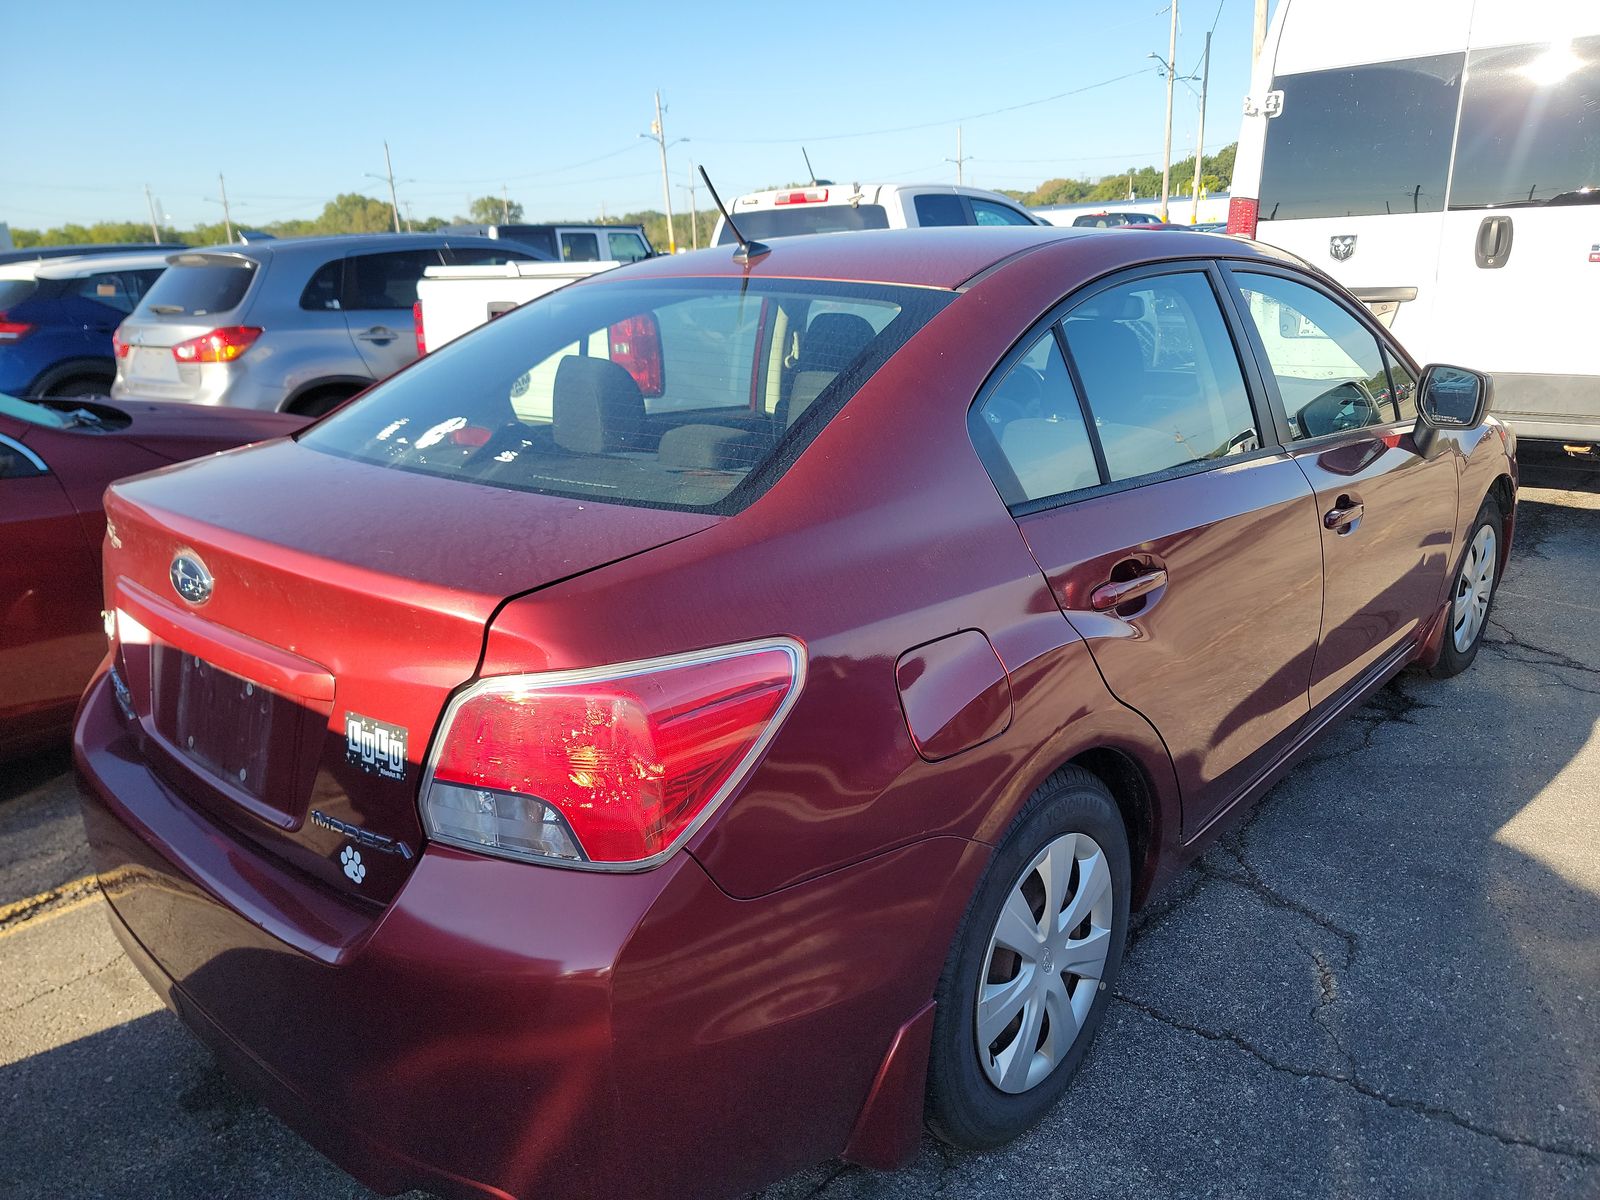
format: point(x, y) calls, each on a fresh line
point(1045, 960)
point(1474, 588)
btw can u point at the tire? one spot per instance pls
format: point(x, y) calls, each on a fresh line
point(980, 1096)
point(1472, 590)
point(79, 385)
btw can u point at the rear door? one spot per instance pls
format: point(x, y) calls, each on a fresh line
point(1386, 513)
point(1179, 539)
point(379, 292)
point(1519, 257)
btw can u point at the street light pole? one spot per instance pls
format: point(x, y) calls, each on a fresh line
point(1258, 33)
point(394, 201)
point(227, 213)
point(659, 133)
point(1166, 154)
point(155, 226)
point(694, 213)
point(1200, 138)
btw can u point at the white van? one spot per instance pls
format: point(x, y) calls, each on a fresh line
point(1442, 160)
point(837, 208)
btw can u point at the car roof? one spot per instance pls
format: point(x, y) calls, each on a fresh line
point(945, 257)
point(340, 243)
point(74, 268)
point(869, 192)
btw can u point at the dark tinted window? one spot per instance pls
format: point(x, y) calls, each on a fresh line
point(486, 256)
point(323, 292)
point(940, 208)
point(550, 397)
point(1328, 365)
point(386, 281)
point(15, 291)
point(542, 239)
point(580, 247)
point(767, 223)
point(626, 247)
point(113, 289)
point(1161, 376)
point(1530, 126)
point(986, 212)
point(1361, 140)
point(1033, 423)
point(200, 287)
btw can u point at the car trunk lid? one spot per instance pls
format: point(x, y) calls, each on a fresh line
point(295, 703)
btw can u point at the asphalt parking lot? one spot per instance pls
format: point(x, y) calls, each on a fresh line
point(1385, 983)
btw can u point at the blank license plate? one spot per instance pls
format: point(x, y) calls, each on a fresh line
point(153, 362)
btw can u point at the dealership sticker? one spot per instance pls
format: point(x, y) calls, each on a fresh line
point(377, 747)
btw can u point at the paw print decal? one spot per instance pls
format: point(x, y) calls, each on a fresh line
point(353, 866)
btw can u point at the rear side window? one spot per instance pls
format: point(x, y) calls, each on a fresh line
point(324, 290)
point(986, 212)
point(485, 256)
point(1033, 423)
point(1161, 376)
point(386, 281)
point(625, 247)
point(199, 286)
point(15, 291)
point(765, 223)
point(941, 208)
point(685, 393)
point(1360, 141)
point(580, 247)
point(1329, 367)
point(1530, 127)
point(112, 289)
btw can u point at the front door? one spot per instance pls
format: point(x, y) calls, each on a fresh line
point(1179, 540)
point(1385, 513)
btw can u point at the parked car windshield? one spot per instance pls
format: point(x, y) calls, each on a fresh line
point(691, 394)
point(195, 286)
point(763, 224)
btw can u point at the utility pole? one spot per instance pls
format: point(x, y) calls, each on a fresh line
point(408, 217)
point(1200, 138)
point(155, 226)
point(694, 214)
point(505, 205)
point(1259, 32)
point(394, 201)
point(959, 160)
point(658, 133)
point(227, 213)
point(1166, 154)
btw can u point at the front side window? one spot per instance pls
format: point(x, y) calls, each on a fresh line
point(986, 212)
point(666, 393)
point(1530, 127)
point(1033, 423)
point(1361, 141)
point(940, 208)
point(1328, 365)
point(1161, 376)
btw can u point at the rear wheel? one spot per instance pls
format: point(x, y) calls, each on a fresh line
point(82, 385)
point(1472, 593)
point(1028, 979)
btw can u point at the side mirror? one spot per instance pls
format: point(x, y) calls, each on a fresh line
point(1453, 397)
point(1450, 398)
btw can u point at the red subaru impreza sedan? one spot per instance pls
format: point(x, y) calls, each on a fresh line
point(723, 714)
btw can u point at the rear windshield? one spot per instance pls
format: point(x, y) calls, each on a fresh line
point(14, 292)
point(199, 289)
point(766, 223)
point(691, 394)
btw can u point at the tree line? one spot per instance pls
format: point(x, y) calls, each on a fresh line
point(352, 212)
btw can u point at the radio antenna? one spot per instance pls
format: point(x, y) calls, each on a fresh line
point(810, 170)
point(747, 249)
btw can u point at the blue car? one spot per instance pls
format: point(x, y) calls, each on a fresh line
point(57, 318)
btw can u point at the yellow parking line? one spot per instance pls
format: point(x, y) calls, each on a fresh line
point(30, 910)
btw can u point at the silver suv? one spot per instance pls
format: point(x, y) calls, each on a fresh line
point(294, 324)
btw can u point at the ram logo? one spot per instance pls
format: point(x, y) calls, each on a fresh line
point(1342, 246)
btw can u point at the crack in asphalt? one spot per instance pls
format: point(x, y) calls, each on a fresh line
point(1250, 879)
point(1551, 659)
point(65, 983)
point(1391, 704)
point(1354, 1082)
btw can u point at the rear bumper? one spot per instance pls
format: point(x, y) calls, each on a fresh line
point(508, 1030)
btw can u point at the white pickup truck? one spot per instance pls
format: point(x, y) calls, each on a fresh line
point(453, 300)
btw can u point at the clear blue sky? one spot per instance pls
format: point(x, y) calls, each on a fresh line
point(292, 100)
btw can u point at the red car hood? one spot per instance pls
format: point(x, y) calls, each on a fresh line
point(344, 592)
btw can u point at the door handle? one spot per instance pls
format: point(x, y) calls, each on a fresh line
point(1120, 591)
point(1493, 246)
point(378, 333)
point(1344, 516)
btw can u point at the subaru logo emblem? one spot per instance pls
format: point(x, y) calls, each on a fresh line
point(190, 579)
point(1341, 246)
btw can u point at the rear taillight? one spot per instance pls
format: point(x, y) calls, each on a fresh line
point(119, 347)
point(220, 345)
point(612, 767)
point(636, 347)
point(1242, 215)
point(13, 331)
point(416, 321)
point(809, 196)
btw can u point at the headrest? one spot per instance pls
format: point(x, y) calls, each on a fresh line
point(596, 407)
point(832, 341)
point(1112, 306)
point(807, 386)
